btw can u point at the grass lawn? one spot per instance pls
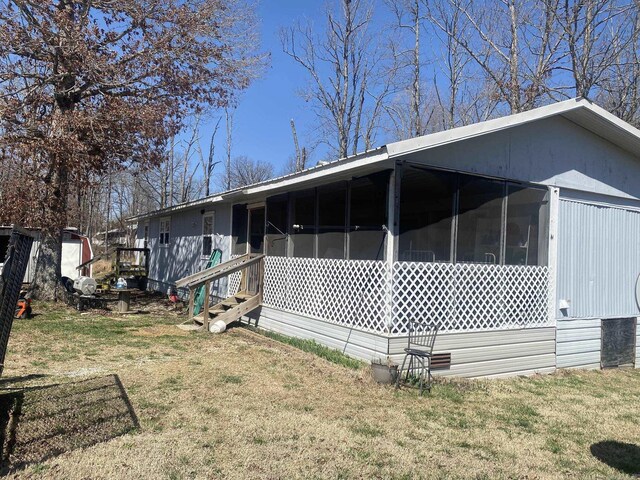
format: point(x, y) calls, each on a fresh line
point(242, 405)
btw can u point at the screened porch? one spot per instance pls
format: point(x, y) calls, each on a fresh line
point(372, 252)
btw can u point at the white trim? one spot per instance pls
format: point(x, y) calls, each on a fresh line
point(552, 260)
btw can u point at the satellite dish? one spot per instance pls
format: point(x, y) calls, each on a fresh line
point(638, 291)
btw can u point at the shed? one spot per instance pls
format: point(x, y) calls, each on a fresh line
point(76, 250)
point(520, 235)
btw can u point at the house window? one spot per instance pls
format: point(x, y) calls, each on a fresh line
point(426, 215)
point(207, 234)
point(165, 231)
point(145, 235)
point(277, 221)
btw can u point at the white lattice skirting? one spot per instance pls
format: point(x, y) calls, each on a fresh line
point(372, 296)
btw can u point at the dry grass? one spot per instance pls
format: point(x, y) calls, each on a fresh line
point(241, 405)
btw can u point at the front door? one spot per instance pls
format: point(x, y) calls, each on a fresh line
point(256, 230)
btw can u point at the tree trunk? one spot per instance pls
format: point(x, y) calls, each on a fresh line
point(48, 265)
point(47, 276)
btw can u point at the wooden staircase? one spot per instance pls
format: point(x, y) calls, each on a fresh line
point(249, 297)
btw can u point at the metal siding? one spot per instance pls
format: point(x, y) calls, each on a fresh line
point(598, 260)
point(502, 353)
point(474, 354)
point(361, 345)
point(182, 256)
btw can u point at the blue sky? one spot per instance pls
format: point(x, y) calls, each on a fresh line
point(261, 124)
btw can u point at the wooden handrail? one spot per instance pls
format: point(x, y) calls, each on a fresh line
point(221, 270)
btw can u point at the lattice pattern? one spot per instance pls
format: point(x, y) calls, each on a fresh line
point(367, 296)
point(233, 280)
point(354, 293)
point(465, 297)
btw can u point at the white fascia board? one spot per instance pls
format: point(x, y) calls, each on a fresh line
point(611, 118)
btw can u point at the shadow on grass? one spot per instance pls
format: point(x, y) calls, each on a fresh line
point(39, 423)
point(624, 457)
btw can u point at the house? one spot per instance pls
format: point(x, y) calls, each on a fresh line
point(521, 235)
point(76, 250)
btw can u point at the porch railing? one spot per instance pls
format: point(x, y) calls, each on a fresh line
point(374, 296)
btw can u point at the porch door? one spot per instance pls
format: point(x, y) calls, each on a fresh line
point(256, 230)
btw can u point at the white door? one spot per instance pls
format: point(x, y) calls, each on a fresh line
point(71, 258)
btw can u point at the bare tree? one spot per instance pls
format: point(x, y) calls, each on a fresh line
point(228, 113)
point(514, 43)
point(209, 163)
point(348, 81)
point(410, 15)
point(300, 153)
point(620, 90)
point(595, 39)
point(246, 171)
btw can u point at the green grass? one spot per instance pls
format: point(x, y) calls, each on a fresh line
point(311, 346)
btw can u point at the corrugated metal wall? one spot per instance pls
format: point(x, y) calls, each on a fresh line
point(598, 260)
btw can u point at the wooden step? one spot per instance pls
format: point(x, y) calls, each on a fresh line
point(240, 310)
point(243, 296)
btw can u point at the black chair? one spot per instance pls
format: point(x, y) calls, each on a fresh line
point(422, 337)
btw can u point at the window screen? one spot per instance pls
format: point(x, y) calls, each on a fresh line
point(526, 232)
point(332, 202)
point(426, 215)
point(368, 209)
point(277, 221)
point(479, 220)
point(303, 229)
point(240, 219)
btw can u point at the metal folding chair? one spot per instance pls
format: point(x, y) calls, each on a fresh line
point(422, 337)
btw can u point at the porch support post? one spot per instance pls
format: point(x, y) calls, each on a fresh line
point(393, 205)
point(554, 207)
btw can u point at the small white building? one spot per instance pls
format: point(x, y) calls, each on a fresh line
point(520, 235)
point(76, 250)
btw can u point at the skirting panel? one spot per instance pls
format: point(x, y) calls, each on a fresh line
point(579, 342)
point(355, 343)
point(473, 354)
point(503, 353)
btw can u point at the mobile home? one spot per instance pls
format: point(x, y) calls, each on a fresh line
point(520, 235)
